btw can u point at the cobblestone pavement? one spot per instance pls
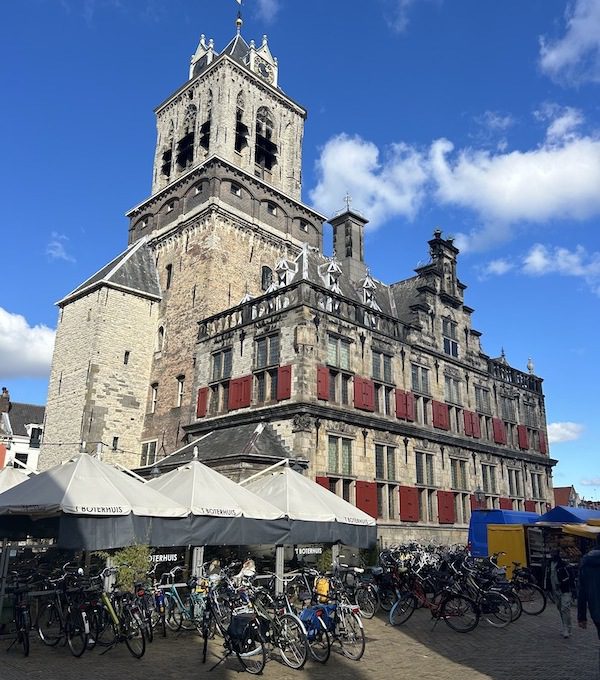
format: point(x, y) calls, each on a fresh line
point(529, 649)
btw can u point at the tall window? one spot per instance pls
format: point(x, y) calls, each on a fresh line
point(507, 408)
point(266, 362)
point(420, 379)
point(450, 337)
point(462, 508)
point(422, 410)
point(185, 146)
point(160, 339)
point(148, 456)
point(180, 389)
point(488, 474)
point(482, 399)
point(266, 278)
point(241, 130)
point(222, 362)
point(338, 352)
point(265, 151)
point(458, 471)
point(339, 459)
point(153, 397)
point(424, 464)
point(219, 389)
point(536, 485)
point(339, 387)
point(169, 273)
point(452, 389)
point(382, 367)
point(530, 414)
point(515, 482)
point(385, 462)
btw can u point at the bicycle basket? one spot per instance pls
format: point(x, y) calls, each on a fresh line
point(322, 588)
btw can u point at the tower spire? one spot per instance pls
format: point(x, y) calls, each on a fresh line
point(238, 22)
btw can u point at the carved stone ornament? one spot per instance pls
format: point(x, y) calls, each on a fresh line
point(342, 428)
point(301, 423)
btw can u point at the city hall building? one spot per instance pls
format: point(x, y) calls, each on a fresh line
point(225, 327)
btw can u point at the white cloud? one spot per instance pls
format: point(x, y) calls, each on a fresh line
point(541, 260)
point(25, 351)
point(381, 189)
point(493, 120)
point(497, 267)
point(268, 9)
point(593, 481)
point(564, 432)
point(575, 57)
point(562, 122)
point(400, 13)
point(56, 248)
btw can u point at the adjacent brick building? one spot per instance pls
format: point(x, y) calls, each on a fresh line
point(235, 318)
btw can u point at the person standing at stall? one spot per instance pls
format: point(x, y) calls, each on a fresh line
point(560, 580)
point(589, 590)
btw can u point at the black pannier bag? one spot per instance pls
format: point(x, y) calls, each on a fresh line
point(241, 631)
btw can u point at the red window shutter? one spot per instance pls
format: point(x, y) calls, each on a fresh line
point(201, 402)
point(446, 512)
point(400, 404)
point(368, 387)
point(234, 394)
point(284, 382)
point(245, 391)
point(499, 431)
point(410, 406)
point(468, 418)
point(323, 481)
point(529, 506)
point(441, 417)
point(543, 443)
point(522, 437)
point(506, 504)
point(322, 382)
point(366, 497)
point(475, 505)
point(409, 504)
point(476, 426)
point(358, 392)
point(2, 455)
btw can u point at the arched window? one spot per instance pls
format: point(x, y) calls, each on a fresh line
point(167, 155)
point(241, 129)
point(266, 149)
point(185, 145)
point(205, 127)
point(160, 338)
point(266, 278)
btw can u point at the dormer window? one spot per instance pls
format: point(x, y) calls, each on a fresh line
point(197, 189)
point(303, 225)
point(449, 333)
point(170, 206)
point(235, 189)
point(272, 209)
point(266, 278)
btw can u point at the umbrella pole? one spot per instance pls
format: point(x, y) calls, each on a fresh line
point(279, 562)
point(3, 572)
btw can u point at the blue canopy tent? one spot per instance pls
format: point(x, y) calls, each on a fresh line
point(478, 526)
point(563, 514)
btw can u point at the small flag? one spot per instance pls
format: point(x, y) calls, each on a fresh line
point(239, 2)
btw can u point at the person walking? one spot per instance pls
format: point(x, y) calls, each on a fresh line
point(561, 582)
point(589, 588)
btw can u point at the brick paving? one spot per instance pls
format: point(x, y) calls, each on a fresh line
point(529, 649)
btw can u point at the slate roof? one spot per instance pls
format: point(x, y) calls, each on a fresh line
point(25, 414)
point(237, 49)
point(134, 269)
point(247, 440)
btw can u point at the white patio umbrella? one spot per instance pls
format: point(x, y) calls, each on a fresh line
point(95, 506)
point(221, 511)
point(10, 476)
point(316, 514)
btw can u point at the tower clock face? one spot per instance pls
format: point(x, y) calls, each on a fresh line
point(265, 70)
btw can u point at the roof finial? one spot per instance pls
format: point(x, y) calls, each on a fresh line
point(348, 201)
point(530, 366)
point(195, 456)
point(238, 22)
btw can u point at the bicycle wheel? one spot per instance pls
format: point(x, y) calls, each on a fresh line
point(459, 613)
point(49, 626)
point(495, 609)
point(402, 609)
point(291, 641)
point(319, 643)
point(387, 597)
point(351, 635)
point(133, 633)
point(516, 608)
point(533, 599)
point(366, 599)
point(75, 629)
point(173, 616)
point(23, 626)
point(251, 652)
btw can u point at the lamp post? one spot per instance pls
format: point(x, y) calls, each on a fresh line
point(479, 496)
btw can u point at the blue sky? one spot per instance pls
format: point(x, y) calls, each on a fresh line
point(481, 118)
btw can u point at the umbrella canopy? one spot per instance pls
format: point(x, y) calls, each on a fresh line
point(562, 514)
point(10, 476)
point(222, 512)
point(317, 515)
point(85, 505)
point(86, 486)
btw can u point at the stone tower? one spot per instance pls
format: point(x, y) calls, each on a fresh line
point(225, 205)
